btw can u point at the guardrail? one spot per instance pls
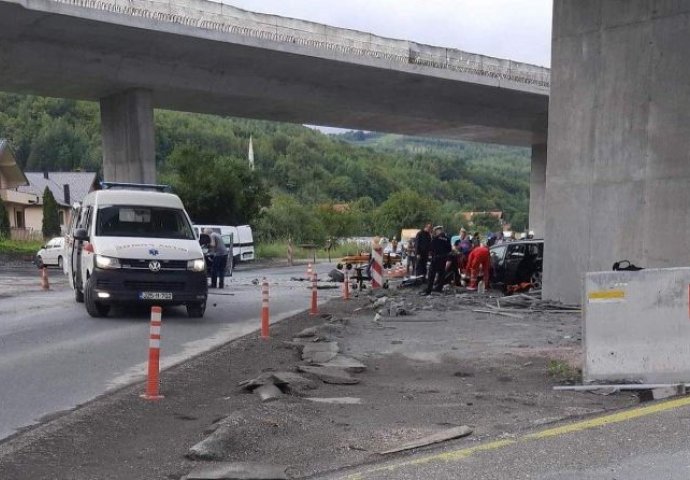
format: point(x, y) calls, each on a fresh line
point(228, 19)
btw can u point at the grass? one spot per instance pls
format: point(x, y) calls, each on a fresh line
point(561, 371)
point(279, 250)
point(19, 247)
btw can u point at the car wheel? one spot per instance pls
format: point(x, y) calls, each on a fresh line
point(535, 280)
point(196, 309)
point(60, 263)
point(94, 308)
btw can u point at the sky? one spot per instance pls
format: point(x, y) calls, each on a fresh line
point(515, 29)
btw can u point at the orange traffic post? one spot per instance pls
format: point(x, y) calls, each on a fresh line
point(152, 383)
point(264, 309)
point(290, 252)
point(310, 271)
point(346, 285)
point(45, 284)
point(314, 299)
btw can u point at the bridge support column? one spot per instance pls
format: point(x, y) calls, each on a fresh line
point(128, 137)
point(537, 190)
point(619, 136)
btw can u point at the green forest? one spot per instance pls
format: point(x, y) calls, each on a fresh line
point(306, 184)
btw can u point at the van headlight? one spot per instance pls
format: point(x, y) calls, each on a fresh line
point(198, 265)
point(107, 263)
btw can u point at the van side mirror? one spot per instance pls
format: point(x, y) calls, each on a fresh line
point(81, 234)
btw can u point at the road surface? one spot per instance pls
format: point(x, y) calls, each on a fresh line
point(641, 443)
point(54, 356)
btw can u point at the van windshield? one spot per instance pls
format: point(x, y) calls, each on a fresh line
point(134, 221)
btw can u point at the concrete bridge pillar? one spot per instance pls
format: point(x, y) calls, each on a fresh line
point(537, 190)
point(128, 137)
point(618, 174)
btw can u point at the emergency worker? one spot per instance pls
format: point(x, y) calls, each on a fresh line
point(479, 260)
point(439, 250)
point(422, 244)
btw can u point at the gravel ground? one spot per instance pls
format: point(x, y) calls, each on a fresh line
point(441, 365)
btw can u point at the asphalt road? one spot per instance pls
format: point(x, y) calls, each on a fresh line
point(54, 356)
point(646, 442)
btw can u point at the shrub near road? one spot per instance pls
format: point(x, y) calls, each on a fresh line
point(19, 248)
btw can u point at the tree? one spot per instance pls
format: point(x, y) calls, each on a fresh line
point(215, 189)
point(51, 220)
point(4, 221)
point(404, 209)
point(287, 217)
point(485, 222)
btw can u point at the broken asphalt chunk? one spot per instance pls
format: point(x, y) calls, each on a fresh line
point(333, 375)
point(292, 379)
point(238, 471)
point(263, 379)
point(268, 392)
point(320, 352)
point(307, 332)
point(348, 364)
point(213, 447)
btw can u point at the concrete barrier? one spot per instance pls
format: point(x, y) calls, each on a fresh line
point(636, 326)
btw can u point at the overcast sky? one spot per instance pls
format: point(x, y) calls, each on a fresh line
point(515, 29)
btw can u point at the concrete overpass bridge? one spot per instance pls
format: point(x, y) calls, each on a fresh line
point(203, 56)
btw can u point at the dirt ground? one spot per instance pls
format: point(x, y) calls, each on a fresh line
point(438, 366)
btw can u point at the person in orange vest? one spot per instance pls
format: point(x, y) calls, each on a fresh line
point(479, 260)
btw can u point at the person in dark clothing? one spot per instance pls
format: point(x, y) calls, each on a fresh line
point(422, 243)
point(438, 250)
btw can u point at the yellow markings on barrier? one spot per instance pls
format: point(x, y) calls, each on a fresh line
point(606, 295)
point(463, 453)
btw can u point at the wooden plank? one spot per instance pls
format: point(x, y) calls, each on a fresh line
point(442, 436)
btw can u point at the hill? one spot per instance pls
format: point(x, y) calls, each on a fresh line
point(302, 170)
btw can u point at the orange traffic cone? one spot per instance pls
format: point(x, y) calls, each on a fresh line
point(45, 284)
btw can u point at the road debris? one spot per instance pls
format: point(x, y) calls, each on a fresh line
point(337, 400)
point(268, 392)
point(307, 332)
point(320, 352)
point(497, 312)
point(333, 375)
point(216, 445)
point(238, 471)
point(533, 303)
point(287, 382)
point(348, 364)
point(442, 436)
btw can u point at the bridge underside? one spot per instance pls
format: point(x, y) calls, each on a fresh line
point(73, 57)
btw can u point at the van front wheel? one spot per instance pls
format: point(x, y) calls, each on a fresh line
point(196, 309)
point(94, 308)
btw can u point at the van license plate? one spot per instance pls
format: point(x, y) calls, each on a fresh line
point(155, 296)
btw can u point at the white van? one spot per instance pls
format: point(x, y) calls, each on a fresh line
point(132, 243)
point(243, 249)
point(240, 237)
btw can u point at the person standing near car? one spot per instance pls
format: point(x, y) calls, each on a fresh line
point(422, 244)
point(439, 250)
point(220, 259)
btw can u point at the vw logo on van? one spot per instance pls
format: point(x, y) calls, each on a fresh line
point(155, 266)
